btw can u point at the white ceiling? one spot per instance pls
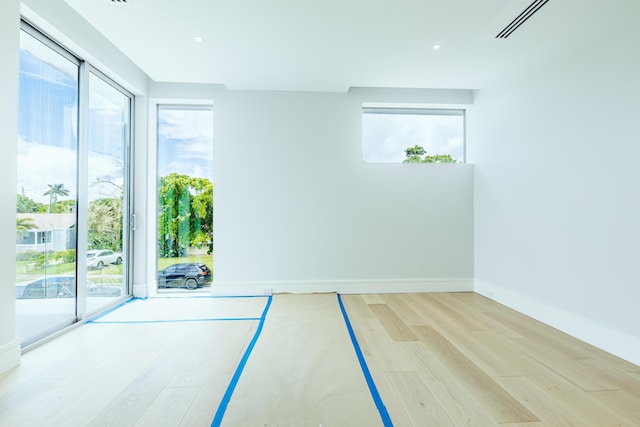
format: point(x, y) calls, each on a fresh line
point(326, 45)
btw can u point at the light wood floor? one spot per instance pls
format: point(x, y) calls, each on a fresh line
point(459, 359)
point(448, 359)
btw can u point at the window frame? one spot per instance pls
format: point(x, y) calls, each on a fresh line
point(178, 105)
point(419, 111)
point(84, 70)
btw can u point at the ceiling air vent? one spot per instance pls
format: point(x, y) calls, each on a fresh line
point(118, 1)
point(521, 19)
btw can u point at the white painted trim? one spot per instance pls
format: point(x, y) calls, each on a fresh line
point(9, 356)
point(141, 290)
point(616, 342)
point(343, 286)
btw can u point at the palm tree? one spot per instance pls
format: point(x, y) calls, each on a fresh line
point(53, 192)
point(23, 225)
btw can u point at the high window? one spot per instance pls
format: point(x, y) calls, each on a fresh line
point(185, 197)
point(413, 135)
point(72, 189)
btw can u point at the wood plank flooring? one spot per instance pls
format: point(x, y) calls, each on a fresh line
point(153, 374)
point(460, 359)
point(440, 359)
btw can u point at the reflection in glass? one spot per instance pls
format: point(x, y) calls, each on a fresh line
point(185, 197)
point(108, 136)
point(46, 203)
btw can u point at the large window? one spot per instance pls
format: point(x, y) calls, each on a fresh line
point(413, 135)
point(108, 143)
point(60, 139)
point(185, 197)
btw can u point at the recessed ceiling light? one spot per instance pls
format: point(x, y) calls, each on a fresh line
point(437, 46)
point(198, 39)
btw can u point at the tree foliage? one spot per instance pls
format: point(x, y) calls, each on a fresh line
point(185, 214)
point(54, 191)
point(25, 204)
point(63, 206)
point(416, 150)
point(105, 224)
point(23, 225)
point(414, 155)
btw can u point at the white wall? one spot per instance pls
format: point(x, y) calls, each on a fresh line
point(9, 48)
point(557, 206)
point(61, 22)
point(296, 208)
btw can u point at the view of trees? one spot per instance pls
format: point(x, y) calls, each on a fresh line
point(53, 192)
point(185, 219)
point(25, 204)
point(105, 224)
point(105, 216)
point(185, 215)
point(414, 155)
point(23, 225)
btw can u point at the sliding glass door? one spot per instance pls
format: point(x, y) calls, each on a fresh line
point(72, 209)
point(47, 188)
point(108, 142)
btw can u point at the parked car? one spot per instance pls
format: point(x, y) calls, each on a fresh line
point(65, 287)
point(190, 275)
point(98, 258)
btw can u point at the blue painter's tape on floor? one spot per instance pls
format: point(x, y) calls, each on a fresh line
point(386, 420)
point(112, 309)
point(213, 319)
point(222, 408)
point(210, 296)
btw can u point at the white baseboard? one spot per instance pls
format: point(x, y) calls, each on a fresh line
point(343, 286)
point(9, 356)
point(141, 290)
point(612, 341)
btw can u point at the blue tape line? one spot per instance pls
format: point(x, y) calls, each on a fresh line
point(212, 319)
point(217, 419)
point(386, 420)
point(212, 296)
point(112, 309)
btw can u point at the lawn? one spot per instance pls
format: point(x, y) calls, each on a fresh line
point(109, 274)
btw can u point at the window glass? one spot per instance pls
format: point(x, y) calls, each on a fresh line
point(54, 149)
point(108, 139)
point(185, 195)
point(47, 189)
point(409, 135)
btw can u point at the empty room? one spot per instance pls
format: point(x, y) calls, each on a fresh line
point(320, 213)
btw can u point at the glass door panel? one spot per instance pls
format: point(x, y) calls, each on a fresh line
point(47, 190)
point(108, 133)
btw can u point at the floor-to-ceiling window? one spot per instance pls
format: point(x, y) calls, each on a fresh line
point(185, 197)
point(63, 136)
point(47, 188)
point(108, 131)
